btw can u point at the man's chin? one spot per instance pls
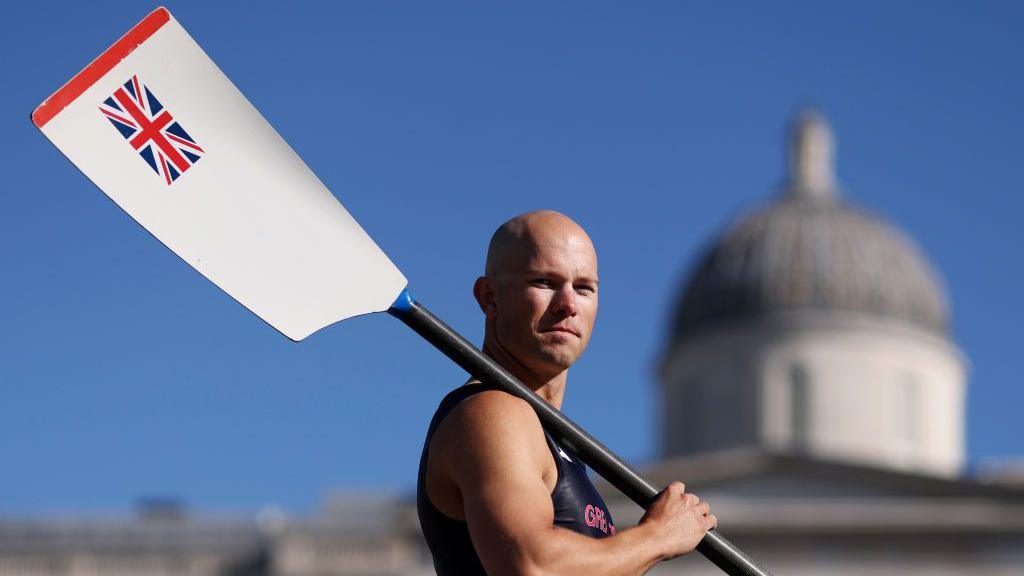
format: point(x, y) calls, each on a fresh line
point(558, 358)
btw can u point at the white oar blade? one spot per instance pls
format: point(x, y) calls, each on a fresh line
point(161, 130)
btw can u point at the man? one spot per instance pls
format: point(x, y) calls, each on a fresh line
point(496, 494)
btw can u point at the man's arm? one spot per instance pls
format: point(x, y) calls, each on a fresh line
point(496, 455)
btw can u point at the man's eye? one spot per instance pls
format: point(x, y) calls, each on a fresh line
point(585, 289)
point(541, 282)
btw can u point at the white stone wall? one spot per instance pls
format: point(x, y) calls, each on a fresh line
point(873, 391)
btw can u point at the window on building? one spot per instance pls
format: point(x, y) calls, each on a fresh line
point(799, 406)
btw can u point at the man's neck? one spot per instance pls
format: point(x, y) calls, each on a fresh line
point(550, 387)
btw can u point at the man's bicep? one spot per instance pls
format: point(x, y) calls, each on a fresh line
point(507, 519)
point(499, 469)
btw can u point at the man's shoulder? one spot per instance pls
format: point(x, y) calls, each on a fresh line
point(491, 435)
point(491, 409)
point(490, 426)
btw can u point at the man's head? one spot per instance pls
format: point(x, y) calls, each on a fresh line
point(539, 291)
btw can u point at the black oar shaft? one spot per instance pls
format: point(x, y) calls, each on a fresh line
point(612, 468)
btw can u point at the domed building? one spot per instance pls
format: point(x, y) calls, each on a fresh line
point(813, 327)
point(812, 392)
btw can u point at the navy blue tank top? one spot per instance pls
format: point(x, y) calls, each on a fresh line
point(578, 506)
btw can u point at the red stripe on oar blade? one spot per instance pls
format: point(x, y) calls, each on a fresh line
point(67, 94)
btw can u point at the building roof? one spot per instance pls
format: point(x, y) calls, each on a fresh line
point(809, 249)
point(761, 491)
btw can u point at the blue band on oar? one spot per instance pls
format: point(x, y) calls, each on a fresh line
point(404, 302)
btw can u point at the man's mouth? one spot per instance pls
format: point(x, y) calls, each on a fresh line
point(562, 329)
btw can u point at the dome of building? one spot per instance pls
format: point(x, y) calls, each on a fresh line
point(810, 250)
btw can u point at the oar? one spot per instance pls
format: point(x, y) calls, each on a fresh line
point(162, 131)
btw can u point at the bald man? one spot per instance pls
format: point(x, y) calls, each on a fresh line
point(496, 494)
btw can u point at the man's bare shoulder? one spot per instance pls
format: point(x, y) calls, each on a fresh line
point(492, 411)
point(489, 429)
point(489, 438)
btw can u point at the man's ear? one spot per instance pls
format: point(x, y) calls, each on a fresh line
point(483, 291)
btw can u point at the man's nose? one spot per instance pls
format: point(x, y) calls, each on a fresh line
point(565, 301)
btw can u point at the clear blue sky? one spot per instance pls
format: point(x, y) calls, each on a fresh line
point(125, 373)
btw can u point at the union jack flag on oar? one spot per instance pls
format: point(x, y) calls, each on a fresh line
point(151, 130)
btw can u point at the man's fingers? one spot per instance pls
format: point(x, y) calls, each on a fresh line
point(691, 499)
point(711, 520)
point(676, 488)
point(704, 508)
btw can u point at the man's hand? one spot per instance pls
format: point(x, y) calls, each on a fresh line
point(679, 520)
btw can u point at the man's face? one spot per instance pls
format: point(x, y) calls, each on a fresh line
point(546, 300)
